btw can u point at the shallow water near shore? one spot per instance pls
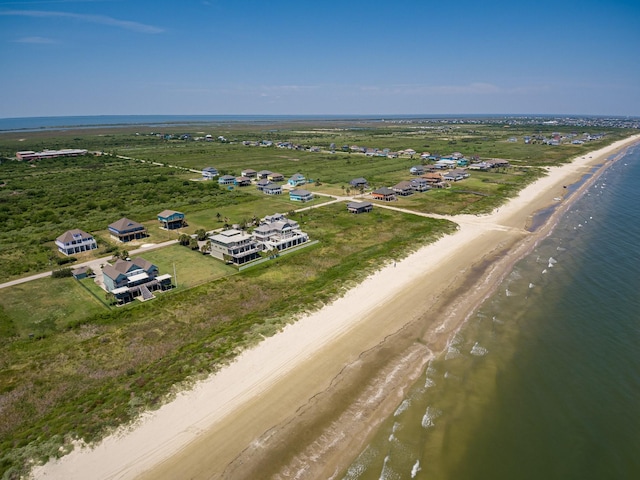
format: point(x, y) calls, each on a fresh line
point(543, 381)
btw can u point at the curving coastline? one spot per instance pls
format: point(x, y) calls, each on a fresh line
point(302, 401)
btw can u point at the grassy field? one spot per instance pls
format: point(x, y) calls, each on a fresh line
point(88, 368)
point(191, 267)
point(82, 378)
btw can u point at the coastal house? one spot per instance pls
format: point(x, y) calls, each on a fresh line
point(263, 182)
point(209, 173)
point(416, 170)
point(170, 219)
point(242, 181)
point(276, 177)
point(359, 207)
point(498, 163)
point(227, 180)
point(419, 184)
point(249, 173)
point(272, 189)
point(384, 194)
point(75, 241)
point(234, 246)
point(263, 174)
point(359, 183)
point(434, 179)
point(297, 179)
point(403, 188)
point(125, 230)
point(276, 232)
point(137, 278)
point(455, 175)
point(300, 195)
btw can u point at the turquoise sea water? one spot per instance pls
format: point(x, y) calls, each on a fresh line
point(543, 382)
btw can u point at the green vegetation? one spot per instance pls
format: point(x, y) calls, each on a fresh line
point(73, 367)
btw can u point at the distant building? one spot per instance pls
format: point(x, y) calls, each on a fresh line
point(66, 152)
point(209, 173)
point(297, 179)
point(300, 195)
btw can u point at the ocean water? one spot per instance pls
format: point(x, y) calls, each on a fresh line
point(543, 382)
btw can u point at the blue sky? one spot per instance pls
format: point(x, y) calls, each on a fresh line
point(126, 57)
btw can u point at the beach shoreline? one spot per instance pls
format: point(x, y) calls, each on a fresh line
point(305, 399)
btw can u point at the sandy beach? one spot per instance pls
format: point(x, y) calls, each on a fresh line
point(301, 403)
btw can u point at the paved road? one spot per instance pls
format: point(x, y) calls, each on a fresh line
point(95, 264)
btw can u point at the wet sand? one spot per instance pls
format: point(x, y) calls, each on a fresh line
point(302, 403)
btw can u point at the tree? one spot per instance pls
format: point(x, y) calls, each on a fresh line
point(218, 216)
point(206, 248)
point(201, 234)
point(193, 244)
point(184, 239)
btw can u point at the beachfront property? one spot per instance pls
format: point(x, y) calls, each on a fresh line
point(227, 180)
point(419, 184)
point(297, 179)
point(275, 177)
point(403, 188)
point(455, 175)
point(434, 179)
point(384, 193)
point(263, 174)
point(170, 219)
point(125, 230)
point(359, 183)
point(272, 189)
point(65, 152)
point(235, 246)
point(276, 232)
point(263, 182)
point(249, 173)
point(359, 207)
point(209, 173)
point(75, 241)
point(242, 181)
point(299, 195)
point(130, 279)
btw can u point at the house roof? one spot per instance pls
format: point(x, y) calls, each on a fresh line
point(384, 191)
point(70, 235)
point(271, 186)
point(300, 193)
point(404, 185)
point(358, 205)
point(358, 180)
point(125, 224)
point(297, 176)
point(169, 213)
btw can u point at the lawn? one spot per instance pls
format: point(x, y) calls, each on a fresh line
point(191, 267)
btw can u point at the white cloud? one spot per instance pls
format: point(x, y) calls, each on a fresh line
point(100, 19)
